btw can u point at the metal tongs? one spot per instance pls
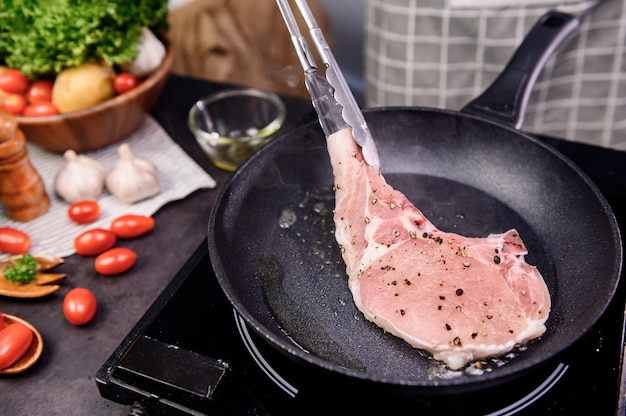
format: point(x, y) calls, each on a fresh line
point(332, 99)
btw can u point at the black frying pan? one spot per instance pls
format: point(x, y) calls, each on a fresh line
point(273, 250)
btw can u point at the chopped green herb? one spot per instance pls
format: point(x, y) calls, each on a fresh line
point(23, 271)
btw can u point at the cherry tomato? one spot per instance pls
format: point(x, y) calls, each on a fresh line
point(79, 306)
point(131, 226)
point(84, 212)
point(124, 82)
point(15, 340)
point(13, 80)
point(115, 261)
point(40, 109)
point(94, 241)
point(40, 90)
point(14, 104)
point(13, 241)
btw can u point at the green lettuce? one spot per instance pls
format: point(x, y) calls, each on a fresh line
point(42, 37)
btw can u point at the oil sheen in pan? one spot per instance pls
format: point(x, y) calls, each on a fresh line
point(317, 311)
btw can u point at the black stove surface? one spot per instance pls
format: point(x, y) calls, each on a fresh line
point(192, 354)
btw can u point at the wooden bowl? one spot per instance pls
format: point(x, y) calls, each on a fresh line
point(101, 125)
point(34, 351)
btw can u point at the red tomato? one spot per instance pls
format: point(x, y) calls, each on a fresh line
point(13, 241)
point(131, 226)
point(115, 261)
point(94, 241)
point(1, 321)
point(124, 82)
point(40, 109)
point(14, 81)
point(14, 104)
point(84, 212)
point(79, 306)
point(40, 90)
point(15, 340)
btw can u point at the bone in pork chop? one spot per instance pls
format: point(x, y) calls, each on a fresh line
point(461, 299)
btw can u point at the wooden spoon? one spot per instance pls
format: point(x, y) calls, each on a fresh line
point(32, 354)
point(43, 284)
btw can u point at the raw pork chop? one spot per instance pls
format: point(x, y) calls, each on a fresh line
point(461, 299)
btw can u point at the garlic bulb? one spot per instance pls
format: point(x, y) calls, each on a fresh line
point(151, 53)
point(81, 178)
point(132, 179)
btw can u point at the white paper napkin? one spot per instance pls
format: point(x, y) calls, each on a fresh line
point(53, 233)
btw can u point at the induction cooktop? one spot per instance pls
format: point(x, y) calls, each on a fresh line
point(191, 353)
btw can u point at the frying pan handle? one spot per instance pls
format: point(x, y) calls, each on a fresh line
point(506, 98)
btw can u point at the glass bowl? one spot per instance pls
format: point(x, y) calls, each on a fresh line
point(231, 124)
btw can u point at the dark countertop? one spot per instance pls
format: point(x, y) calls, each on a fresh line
point(62, 381)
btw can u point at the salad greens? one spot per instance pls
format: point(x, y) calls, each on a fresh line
point(42, 37)
point(24, 269)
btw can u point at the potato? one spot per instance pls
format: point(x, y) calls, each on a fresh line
point(82, 87)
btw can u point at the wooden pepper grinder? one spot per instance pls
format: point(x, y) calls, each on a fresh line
point(22, 191)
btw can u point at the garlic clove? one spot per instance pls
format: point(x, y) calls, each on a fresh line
point(133, 179)
point(80, 178)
